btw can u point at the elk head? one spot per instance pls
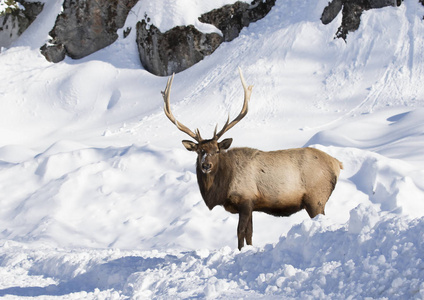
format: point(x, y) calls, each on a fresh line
point(207, 150)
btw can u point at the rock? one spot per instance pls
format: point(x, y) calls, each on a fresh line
point(32, 9)
point(53, 52)
point(231, 19)
point(183, 46)
point(86, 26)
point(352, 11)
point(422, 2)
point(331, 11)
point(175, 50)
point(384, 3)
point(14, 22)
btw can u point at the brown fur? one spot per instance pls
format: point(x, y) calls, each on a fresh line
point(279, 183)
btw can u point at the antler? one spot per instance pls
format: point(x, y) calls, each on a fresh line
point(242, 114)
point(167, 108)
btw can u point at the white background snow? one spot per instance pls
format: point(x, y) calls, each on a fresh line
point(99, 199)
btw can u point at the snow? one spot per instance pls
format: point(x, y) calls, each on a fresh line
point(99, 199)
point(166, 14)
point(4, 6)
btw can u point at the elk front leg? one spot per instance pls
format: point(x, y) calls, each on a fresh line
point(245, 225)
point(249, 231)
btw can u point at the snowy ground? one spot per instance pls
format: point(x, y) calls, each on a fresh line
point(99, 198)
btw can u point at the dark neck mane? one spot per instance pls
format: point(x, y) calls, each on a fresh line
point(214, 186)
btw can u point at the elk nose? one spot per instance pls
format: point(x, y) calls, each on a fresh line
point(206, 167)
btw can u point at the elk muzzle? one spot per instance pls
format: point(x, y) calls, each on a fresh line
point(205, 163)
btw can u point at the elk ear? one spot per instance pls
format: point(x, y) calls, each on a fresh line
point(225, 144)
point(190, 146)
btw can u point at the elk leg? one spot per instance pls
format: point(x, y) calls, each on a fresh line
point(249, 231)
point(244, 228)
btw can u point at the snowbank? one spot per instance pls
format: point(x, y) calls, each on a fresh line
point(368, 257)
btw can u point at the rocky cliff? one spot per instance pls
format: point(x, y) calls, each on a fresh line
point(85, 26)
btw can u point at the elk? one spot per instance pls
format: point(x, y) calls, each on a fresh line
point(244, 180)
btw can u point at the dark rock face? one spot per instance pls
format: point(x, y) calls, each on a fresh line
point(331, 11)
point(175, 50)
point(231, 19)
point(183, 46)
point(32, 9)
point(422, 2)
point(352, 11)
point(86, 26)
point(13, 24)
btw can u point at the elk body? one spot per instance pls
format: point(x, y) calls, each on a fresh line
point(244, 180)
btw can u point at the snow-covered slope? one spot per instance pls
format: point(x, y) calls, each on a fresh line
point(99, 198)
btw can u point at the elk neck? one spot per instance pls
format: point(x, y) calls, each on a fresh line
point(214, 185)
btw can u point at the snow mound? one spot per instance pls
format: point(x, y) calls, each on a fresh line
point(383, 259)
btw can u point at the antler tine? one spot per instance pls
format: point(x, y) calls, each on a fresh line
point(167, 108)
point(199, 138)
point(243, 112)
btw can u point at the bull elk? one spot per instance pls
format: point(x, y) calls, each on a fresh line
point(244, 180)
